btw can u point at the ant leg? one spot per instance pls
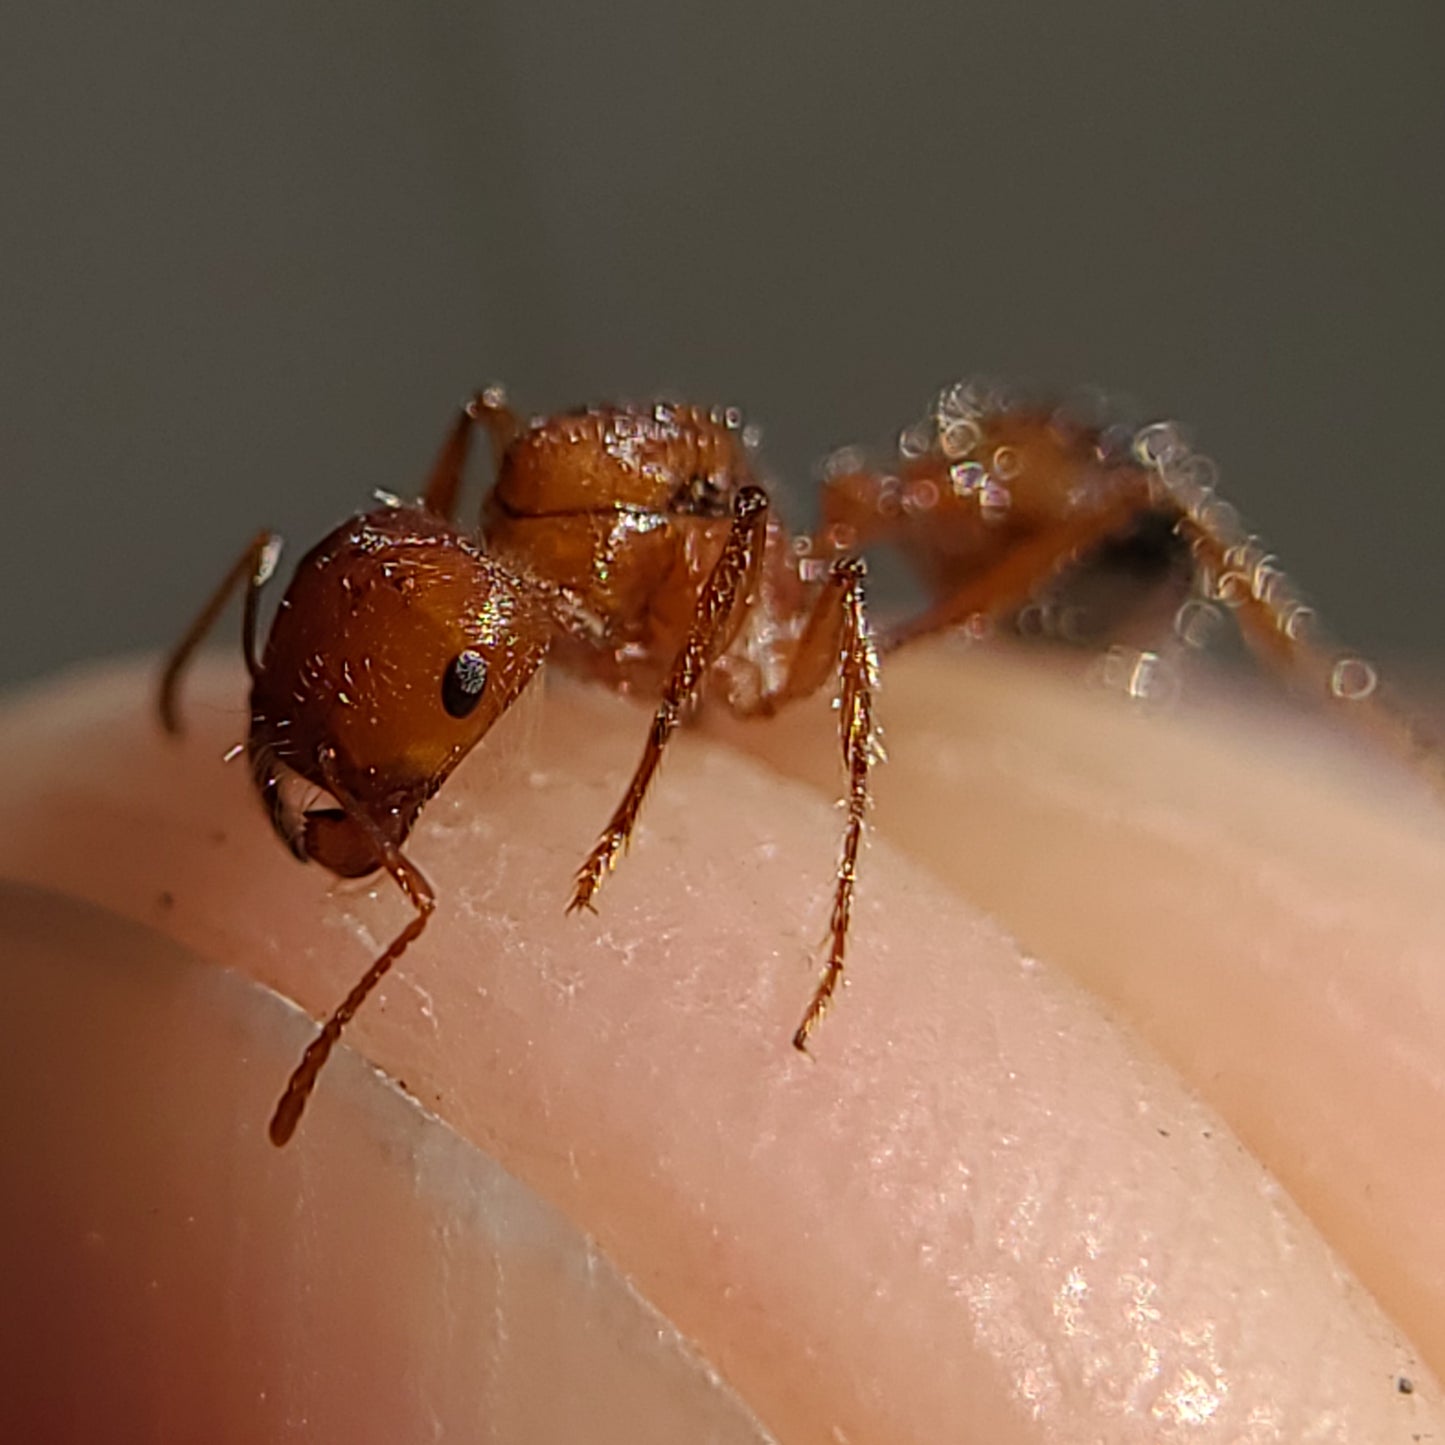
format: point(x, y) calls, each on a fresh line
point(836, 640)
point(254, 567)
point(720, 610)
point(1020, 571)
point(409, 878)
point(1280, 629)
point(859, 676)
point(489, 409)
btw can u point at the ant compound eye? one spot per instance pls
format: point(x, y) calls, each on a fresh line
point(464, 682)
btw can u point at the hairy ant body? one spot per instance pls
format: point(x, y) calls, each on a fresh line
point(635, 545)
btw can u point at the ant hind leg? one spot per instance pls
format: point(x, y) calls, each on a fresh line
point(1018, 574)
point(1282, 632)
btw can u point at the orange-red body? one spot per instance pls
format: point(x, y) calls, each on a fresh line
point(634, 544)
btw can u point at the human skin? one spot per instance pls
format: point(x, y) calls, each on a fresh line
point(981, 1210)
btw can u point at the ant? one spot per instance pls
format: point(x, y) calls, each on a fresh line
point(637, 546)
point(633, 543)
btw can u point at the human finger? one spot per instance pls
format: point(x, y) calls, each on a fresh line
point(981, 1208)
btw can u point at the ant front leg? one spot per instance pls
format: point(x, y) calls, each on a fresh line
point(487, 408)
point(253, 568)
point(719, 614)
point(409, 878)
point(836, 640)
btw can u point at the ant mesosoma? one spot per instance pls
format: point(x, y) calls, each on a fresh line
point(636, 546)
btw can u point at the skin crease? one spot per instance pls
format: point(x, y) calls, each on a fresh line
point(982, 1211)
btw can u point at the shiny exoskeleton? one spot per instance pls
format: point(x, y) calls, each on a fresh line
point(635, 545)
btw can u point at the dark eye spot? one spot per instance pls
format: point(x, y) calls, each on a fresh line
point(464, 682)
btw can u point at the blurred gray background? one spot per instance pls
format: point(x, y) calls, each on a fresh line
point(253, 254)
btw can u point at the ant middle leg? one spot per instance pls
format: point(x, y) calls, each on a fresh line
point(253, 568)
point(412, 882)
point(720, 610)
point(487, 408)
point(836, 642)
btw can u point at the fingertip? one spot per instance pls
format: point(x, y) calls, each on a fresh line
point(979, 1203)
point(168, 1276)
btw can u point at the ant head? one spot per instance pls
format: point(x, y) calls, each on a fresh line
point(397, 645)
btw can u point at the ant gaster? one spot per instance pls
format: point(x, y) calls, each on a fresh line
point(636, 546)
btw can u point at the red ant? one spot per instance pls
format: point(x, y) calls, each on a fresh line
point(633, 542)
point(637, 545)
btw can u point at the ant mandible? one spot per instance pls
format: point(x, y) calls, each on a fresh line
point(636, 545)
